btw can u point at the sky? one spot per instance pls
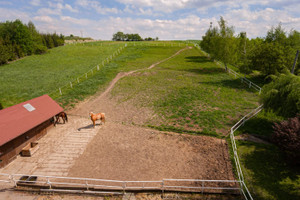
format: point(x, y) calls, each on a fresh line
point(165, 19)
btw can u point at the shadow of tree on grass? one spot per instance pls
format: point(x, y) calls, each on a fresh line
point(229, 83)
point(198, 59)
point(270, 172)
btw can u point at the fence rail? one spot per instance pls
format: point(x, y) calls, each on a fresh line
point(84, 185)
point(243, 186)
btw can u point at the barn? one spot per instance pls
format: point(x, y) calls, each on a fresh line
point(23, 124)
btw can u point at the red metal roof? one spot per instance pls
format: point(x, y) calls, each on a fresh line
point(16, 120)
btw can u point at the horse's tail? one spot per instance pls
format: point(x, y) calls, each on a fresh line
point(66, 117)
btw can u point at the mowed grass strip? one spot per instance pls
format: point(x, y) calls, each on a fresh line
point(189, 93)
point(36, 75)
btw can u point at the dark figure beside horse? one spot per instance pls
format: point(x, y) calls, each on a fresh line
point(62, 115)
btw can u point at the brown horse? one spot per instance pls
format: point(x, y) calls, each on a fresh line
point(95, 117)
point(62, 115)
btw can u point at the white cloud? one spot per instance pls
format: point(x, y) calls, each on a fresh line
point(91, 4)
point(189, 27)
point(166, 6)
point(75, 21)
point(13, 14)
point(257, 23)
point(151, 18)
point(49, 11)
point(44, 18)
point(35, 2)
point(69, 8)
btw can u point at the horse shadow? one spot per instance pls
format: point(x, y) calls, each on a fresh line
point(91, 126)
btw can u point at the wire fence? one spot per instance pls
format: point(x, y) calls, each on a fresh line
point(72, 83)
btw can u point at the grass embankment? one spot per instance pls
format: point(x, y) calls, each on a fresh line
point(190, 94)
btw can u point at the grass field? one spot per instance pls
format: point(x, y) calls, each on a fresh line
point(190, 93)
point(267, 174)
point(36, 75)
point(134, 57)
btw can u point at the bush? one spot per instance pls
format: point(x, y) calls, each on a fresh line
point(4, 55)
point(282, 95)
point(40, 49)
point(286, 135)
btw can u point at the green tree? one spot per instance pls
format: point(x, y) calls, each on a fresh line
point(221, 43)
point(21, 38)
point(282, 95)
point(207, 40)
point(227, 46)
point(38, 45)
point(275, 55)
point(48, 40)
point(119, 36)
point(277, 35)
point(4, 53)
point(272, 59)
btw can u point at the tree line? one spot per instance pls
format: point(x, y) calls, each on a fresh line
point(18, 40)
point(271, 55)
point(274, 57)
point(120, 36)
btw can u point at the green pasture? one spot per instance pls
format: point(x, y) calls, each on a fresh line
point(267, 174)
point(190, 94)
point(36, 75)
